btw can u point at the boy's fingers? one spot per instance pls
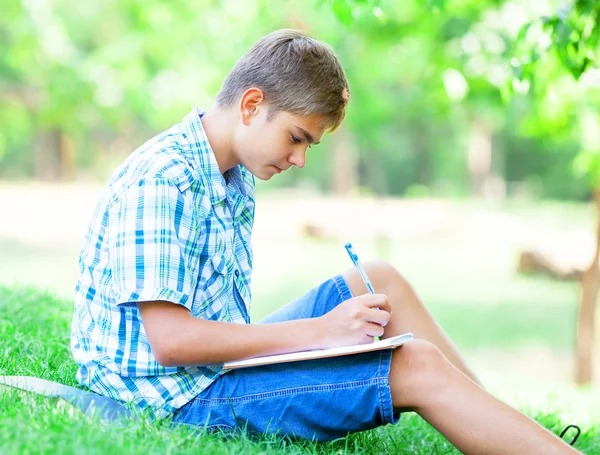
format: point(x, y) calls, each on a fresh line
point(374, 330)
point(386, 307)
point(381, 317)
point(373, 300)
point(377, 300)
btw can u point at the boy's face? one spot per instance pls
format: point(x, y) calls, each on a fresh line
point(269, 147)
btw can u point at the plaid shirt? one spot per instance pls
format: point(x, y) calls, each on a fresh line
point(168, 227)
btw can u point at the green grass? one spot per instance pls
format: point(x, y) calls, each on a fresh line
point(34, 340)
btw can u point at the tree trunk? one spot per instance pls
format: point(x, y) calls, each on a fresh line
point(345, 163)
point(54, 156)
point(67, 157)
point(479, 157)
point(587, 310)
point(423, 156)
point(47, 155)
point(372, 172)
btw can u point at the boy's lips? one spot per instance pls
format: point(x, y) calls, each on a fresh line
point(278, 170)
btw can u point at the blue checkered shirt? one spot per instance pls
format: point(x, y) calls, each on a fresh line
point(169, 226)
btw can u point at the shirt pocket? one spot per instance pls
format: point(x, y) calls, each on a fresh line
point(220, 263)
point(214, 288)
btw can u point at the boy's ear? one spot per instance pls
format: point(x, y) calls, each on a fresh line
point(249, 103)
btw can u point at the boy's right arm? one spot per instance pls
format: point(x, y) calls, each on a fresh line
point(179, 339)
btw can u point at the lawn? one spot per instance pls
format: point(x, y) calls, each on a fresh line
point(34, 338)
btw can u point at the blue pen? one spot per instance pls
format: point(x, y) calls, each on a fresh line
point(363, 275)
point(354, 257)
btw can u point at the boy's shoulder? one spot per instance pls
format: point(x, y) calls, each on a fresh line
point(164, 157)
point(179, 156)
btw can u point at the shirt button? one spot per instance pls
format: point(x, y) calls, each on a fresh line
point(237, 272)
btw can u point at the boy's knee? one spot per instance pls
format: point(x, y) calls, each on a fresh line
point(420, 357)
point(418, 370)
point(384, 275)
point(380, 268)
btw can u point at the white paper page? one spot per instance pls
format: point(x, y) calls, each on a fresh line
point(389, 343)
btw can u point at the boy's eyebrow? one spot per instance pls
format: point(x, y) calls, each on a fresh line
point(307, 136)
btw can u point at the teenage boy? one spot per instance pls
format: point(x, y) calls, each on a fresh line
point(164, 286)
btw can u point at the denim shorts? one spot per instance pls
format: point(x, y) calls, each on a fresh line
point(319, 400)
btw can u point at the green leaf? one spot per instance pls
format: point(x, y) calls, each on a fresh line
point(343, 11)
point(507, 91)
point(523, 32)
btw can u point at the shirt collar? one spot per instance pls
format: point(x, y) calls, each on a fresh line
point(239, 179)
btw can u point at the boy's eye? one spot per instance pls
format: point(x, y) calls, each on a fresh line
point(296, 140)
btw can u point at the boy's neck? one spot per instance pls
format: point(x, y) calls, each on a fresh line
point(219, 125)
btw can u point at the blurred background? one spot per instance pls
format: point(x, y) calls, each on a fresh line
point(468, 158)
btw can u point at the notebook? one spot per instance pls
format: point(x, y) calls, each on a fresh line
point(389, 343)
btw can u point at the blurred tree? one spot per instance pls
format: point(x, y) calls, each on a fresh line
point(81, 87)
point(446, 63)
point(398, 68)
point(568, 43)
point(95, 78)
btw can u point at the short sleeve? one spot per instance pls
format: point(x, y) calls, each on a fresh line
point(152, 244)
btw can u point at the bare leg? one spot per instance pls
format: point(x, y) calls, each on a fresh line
point(408, 312)
point(423, 380)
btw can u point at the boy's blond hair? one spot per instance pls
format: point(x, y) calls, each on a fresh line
point(297, 74)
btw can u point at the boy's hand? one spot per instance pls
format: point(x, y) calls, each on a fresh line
point(355, 321)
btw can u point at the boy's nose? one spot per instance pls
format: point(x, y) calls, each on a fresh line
point(298, 158)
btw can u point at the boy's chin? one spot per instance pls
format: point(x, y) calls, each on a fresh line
point(263, 176)
point(263, 173)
